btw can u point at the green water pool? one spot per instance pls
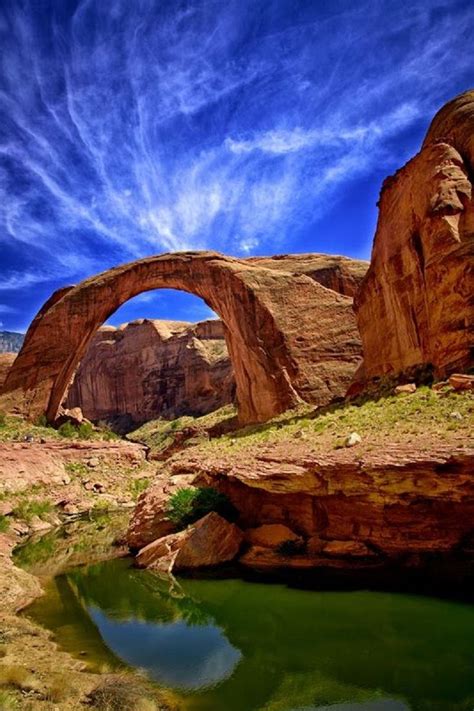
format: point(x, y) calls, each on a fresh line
point(230, 644)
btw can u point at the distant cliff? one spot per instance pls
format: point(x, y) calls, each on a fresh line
point(10, 342)
point(149, 368)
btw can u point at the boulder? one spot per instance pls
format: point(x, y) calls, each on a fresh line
point(460, 381)
point(355, 549)
point(406, 389)
point(414, 306)
point(210, 541)
point(271, 535)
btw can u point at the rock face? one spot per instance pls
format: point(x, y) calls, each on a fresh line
point(146, 369)
point(415, 306)
point(379, 506)
point(6, 361)
point(209, 541)
point(289, 338)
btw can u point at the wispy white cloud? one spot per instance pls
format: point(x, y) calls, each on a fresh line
point(217, 126)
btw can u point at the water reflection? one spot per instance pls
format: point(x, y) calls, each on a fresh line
point(239, 646)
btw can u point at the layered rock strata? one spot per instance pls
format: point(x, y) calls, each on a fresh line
point(348, 509)
point(415, 306)
point(149, 369)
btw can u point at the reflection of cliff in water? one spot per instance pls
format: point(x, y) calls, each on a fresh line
point(240, 646)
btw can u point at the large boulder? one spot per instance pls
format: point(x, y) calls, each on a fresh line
point(414, 307)
point(210, 541)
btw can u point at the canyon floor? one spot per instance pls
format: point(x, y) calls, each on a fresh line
point(48, 479)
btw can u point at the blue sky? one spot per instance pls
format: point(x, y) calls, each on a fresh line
point(245, 126)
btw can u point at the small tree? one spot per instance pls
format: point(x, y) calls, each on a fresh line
point(188, 505)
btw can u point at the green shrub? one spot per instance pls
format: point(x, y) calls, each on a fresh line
point(42, 421)
point(188, 505)
point(3, 419)
point(290, 548)
point(67, 429)
point(85, 430)
point(4, 523)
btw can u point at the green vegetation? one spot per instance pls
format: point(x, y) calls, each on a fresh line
point(137, 486)
point(16, 429)
point(3, 419)
point(27, 509)
point(77, 469)
point(399, 417)
point(7, 701)
point(161, 436)
point(4, 523)
point(188, 505)
point(67, 429)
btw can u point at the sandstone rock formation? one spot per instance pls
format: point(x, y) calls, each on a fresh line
point(149, 369)
point(6, 361)
point(415, 306)
point(378, 506)
point(290, 339)
point(210, 541)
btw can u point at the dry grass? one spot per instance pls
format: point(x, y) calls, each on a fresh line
point(122, 692)
point(15, 676)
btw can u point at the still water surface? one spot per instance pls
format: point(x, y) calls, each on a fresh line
point(233, 645)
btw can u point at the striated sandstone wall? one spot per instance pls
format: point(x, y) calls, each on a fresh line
point(416, 303)
point(149, 368)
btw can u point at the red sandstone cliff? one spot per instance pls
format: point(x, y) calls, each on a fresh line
point(415, 306)
point(6, 360)
point(148, 369)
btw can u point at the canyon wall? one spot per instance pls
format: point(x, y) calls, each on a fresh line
point(6, 361)
point(415, 306)
point(149, 368)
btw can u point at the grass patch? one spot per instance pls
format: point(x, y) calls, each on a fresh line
point(121, 692)
point(17, 677)
point(4, 523)
point(188, 505)
point(27, 509)
point(7, 701)
point(138, 486)
point(77, 469)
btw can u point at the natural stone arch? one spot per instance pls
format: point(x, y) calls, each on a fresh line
point(289, 338)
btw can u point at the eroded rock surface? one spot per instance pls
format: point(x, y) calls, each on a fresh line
point(148, 369)
point(210, 541)
point(379, 505)
point(290, 339)
point(415, 306)
point(6, 361)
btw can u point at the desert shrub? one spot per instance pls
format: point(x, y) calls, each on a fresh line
point(59, 689)
point(67, 429)
point(3, 419)
point(85, 430)
point(121, 692)
point(290, 548)
point(4, 523)
point(188, 505)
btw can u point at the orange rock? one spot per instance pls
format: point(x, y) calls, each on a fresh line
point(6, 361)
point(210, 541)
point(406, 389)
point(414, 307)
point(271, 535)
point(148, 369)
point(460, 381)
point(290, 339)
point(346, 548)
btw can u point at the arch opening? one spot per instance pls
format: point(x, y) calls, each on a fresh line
point(149, 361)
